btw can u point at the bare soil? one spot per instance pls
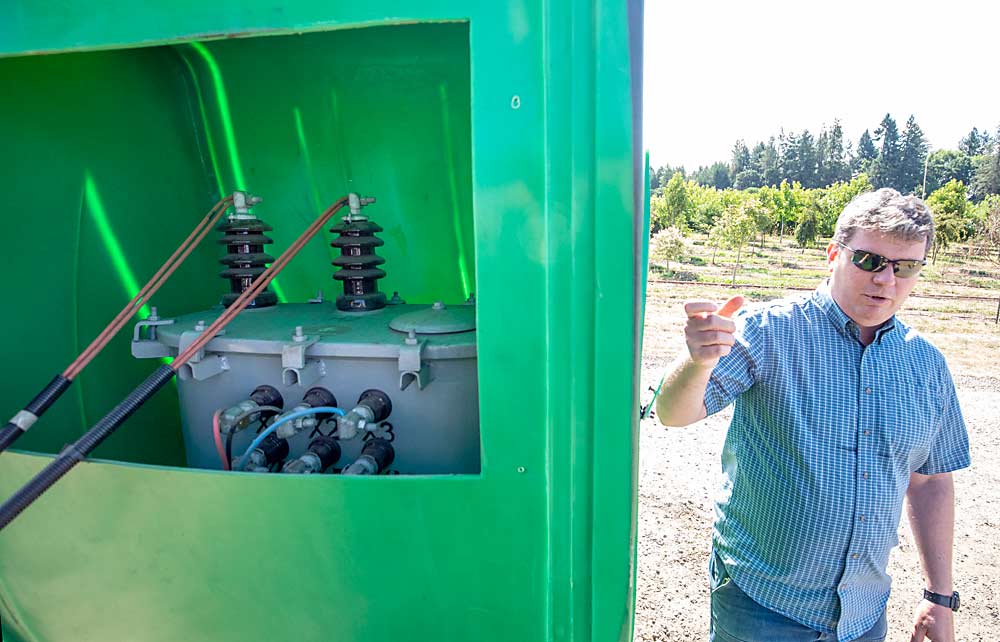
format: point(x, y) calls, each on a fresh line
point(680, 472)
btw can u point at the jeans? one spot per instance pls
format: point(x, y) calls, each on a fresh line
point(737, 618)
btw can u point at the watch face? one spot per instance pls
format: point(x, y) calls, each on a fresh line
point(955, 601)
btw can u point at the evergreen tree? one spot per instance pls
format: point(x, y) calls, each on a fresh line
point(835, 167)
point(866, 156)
point(807, 161)
point(944, 165)
point(912, 154)
point(975, 143)
point(741, 159)
point(886, 169)
point(790, 167)
point(715, 175)
point(986, 177)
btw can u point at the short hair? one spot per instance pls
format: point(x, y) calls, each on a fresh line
point(888, 212)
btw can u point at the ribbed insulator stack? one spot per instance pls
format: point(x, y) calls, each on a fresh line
point(244, 239)
point(357, 261)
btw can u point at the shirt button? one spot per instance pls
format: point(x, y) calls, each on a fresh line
point(861, 517)
point(854, 556)
point(867, 432)
point(868, 391)
point(865, 474)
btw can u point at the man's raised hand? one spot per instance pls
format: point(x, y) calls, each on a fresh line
point(709, 330)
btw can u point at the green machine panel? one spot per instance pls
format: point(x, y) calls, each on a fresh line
point(501, 141)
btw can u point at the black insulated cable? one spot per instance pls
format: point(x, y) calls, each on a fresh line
point(76, 452)
point(23, 420)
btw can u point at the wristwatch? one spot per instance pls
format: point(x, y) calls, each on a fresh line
point(951, 601)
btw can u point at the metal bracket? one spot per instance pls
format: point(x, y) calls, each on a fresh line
point(410, 366)
point(295, 368)
point(149, 348)
point(202, 365)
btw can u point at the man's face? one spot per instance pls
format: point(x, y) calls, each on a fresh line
point(871, 298)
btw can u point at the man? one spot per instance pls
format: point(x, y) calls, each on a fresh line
point(841, 410)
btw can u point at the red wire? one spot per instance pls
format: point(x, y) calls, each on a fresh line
point(216, 434)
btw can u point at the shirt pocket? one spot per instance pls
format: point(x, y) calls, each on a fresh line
point(908, 423)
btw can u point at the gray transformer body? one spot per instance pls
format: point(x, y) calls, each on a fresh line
point(423, 357)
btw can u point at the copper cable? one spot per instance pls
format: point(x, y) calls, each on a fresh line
point(258, 286)
point(158, 279)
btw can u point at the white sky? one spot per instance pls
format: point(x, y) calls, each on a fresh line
point(720, 70)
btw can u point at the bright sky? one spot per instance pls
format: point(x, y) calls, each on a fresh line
point(720, 70)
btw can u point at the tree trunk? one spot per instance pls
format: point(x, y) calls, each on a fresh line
point(714, 250)
point(737, 264)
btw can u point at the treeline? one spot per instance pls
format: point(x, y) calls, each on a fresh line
point(888, 157)
point(733, 218)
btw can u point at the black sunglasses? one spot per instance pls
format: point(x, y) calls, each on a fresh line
point(871, 262)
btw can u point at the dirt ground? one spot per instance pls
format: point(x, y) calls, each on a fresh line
point(680, 472)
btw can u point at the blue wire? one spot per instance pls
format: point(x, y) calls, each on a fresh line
point(270, 429)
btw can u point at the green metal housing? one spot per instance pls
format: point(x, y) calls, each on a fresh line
point(502, 143)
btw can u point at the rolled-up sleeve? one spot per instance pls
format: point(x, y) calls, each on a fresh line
point(736, 371)
point(950, 448)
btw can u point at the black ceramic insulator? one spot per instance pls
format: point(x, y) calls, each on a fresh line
point(265, 395)
point(317, 397)
point(378, 401)
point(381, 451)
point(327, 449)
point(275, 449)
point(357, 263)
point(244, 240)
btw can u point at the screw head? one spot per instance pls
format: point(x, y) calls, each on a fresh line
point(438, 305)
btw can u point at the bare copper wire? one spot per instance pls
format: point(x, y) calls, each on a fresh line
point(258, 286)
point(158, 279)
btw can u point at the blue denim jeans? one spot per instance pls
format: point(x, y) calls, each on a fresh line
point(737, 618)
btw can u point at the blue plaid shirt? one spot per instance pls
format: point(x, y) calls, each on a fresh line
point(819, 453)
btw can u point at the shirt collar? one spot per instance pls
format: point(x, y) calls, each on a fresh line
point(839, 319)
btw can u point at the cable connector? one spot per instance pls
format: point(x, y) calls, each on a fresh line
point(242, 202)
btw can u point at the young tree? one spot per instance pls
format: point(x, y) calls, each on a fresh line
point(805, 231)
point(734, 229)
point(669, 245)
point(989, 227)
point(671, 210)
point(950, 207)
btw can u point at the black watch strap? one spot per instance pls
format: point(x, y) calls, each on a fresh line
point(951, 601)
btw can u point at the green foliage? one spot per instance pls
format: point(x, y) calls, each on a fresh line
point(885, 171)
point(716, 175)
point(669, 245)
point(676, 201)
point(805, 231)
point(944, 165)
point(951, 208)
point(866, 156)
point(830, 202)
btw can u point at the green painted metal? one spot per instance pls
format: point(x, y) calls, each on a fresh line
point(501, 142)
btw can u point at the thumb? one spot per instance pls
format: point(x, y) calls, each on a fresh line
point(730, 307)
